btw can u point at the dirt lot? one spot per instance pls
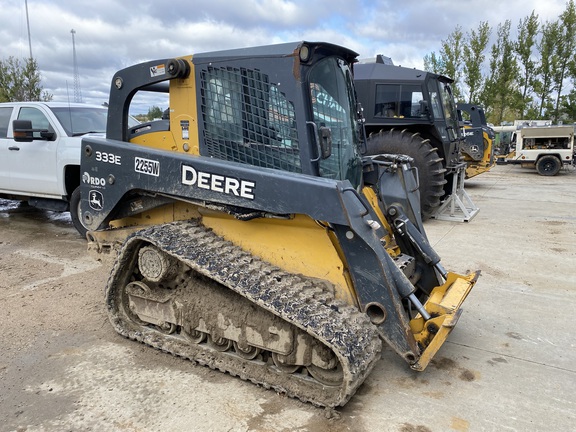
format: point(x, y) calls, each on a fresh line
point(509, 365)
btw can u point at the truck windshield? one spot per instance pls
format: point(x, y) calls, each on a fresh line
point(334, 107)
point(81, 120)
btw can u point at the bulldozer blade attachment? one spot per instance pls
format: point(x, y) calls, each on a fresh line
point(444, 307)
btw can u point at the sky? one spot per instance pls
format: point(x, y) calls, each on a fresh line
point(113, 34)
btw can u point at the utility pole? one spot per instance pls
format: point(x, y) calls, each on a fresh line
point(28, 25)
point(77, 90)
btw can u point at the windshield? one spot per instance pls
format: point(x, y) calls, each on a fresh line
point(449, 110)
point(81, 120)
point(333, 104)
point(78, 121)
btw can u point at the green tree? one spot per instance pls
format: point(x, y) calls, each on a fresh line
point(524, 47)
point(501, 96)
point(533, 76)
point(565, 48)
point(20, 81)
point(531, 111)
point(432, 63)
point(451, 54)
point(154, 113)
point(449, 60)
point(473, 58)
point(568, 107)
point(544, 83)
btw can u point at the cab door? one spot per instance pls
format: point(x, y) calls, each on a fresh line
point(34, 164)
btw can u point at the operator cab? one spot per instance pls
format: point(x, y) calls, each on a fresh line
point(297, 113)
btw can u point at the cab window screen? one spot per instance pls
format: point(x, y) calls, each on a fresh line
point(249, 120)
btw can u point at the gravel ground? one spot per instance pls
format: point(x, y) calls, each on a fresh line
point(509, 364)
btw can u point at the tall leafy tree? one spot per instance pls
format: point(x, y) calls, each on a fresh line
point(451, 54)
point(473, 58)
point(154, 112)
point(526, 77)
point(524, 47)
point(449, 60)
point(544, 82)
point(432, 63)
point(501, 95)
point(568, 107)
point(565, 51)
point(20, 81)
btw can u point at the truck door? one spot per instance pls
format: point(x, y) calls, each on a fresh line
point(5, 143)
point(34, 167)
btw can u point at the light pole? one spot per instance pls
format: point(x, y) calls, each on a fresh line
point(28, 25)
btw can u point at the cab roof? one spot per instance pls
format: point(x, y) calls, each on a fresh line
point(380, 71)
point(277, 50)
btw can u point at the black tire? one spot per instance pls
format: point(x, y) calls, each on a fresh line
point(76, 214)
point(431, 173)
point(548, 165)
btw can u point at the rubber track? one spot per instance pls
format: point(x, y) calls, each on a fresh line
point(305, 303)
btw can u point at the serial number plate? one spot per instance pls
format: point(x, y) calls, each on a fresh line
point(147, 166)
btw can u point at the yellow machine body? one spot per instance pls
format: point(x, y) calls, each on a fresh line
point(474, 167)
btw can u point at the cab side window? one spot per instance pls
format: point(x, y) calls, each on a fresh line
point(39, 120)
point(386, 100)
point(398, 100)
point(5, 113)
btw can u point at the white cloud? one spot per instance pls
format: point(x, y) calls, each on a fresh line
point(112, 34)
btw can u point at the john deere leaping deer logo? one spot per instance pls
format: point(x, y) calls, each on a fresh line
point(96, 200)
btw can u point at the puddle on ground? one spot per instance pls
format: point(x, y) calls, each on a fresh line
point(22, 211)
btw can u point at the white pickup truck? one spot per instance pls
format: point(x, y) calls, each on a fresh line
point(40, 146)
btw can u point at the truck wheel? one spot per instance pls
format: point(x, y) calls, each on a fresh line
point(548, 165)
point(76, 214)
point(426, 159)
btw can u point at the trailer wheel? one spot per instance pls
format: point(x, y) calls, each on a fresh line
point(75, 213)
point(548, 165)
point(431, 173)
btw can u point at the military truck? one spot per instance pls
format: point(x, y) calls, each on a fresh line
point(412, 112)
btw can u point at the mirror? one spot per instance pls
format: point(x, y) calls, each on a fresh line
point(325, 136)
point(424, 110)
point(23, 131)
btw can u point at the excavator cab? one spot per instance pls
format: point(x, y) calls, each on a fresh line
point(249, 233)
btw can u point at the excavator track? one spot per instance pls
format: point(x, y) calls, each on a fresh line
point(205, 267)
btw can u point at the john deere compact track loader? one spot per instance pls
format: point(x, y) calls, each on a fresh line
point(255, 238)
